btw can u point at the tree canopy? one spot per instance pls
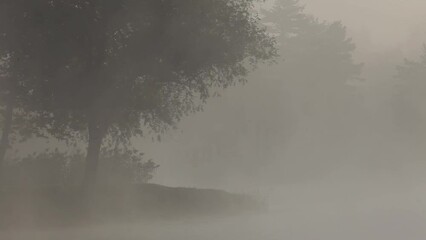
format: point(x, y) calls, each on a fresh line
point(113, 67)
point(317, 59)
point(306, 96)
point(409, 97)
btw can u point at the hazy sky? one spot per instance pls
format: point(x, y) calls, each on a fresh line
point(381, 24)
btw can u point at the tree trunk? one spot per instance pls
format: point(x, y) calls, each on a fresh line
point(7, 129)
point(97, 132)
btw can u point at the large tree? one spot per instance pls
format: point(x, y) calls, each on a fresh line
point(409, 97)
point(16, 85)
point(318, 66)
point(113, 67)
point(305, 98)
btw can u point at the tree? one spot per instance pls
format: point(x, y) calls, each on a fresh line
point(317, 60)
point(13, 92)
point(112, 67)
point(303, 99)
point(15, 86)
point(410, 95)
point(58, 168)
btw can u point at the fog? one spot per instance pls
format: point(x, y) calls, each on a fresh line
point(383, 24)
point(328, 137)
point(384, 32)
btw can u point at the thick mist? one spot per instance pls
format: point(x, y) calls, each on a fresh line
point(322, 139)
point(384, 33)
point(361, 172)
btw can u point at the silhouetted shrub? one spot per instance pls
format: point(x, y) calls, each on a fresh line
point(46, 168)
point(117, 166)
point(125, 166)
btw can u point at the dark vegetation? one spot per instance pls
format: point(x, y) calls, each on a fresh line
point(101, 72)
point(106, 71)
point(43, 191)
point(409, 91)
point(59, 206)
point(55, 168)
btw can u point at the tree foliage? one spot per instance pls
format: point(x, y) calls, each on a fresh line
point(58, 168)
point(410, 95)
point(306, 94)
point(113, 67)
point(317, 58)
point(124, 59)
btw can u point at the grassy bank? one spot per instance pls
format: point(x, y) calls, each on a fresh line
point(69, 206)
